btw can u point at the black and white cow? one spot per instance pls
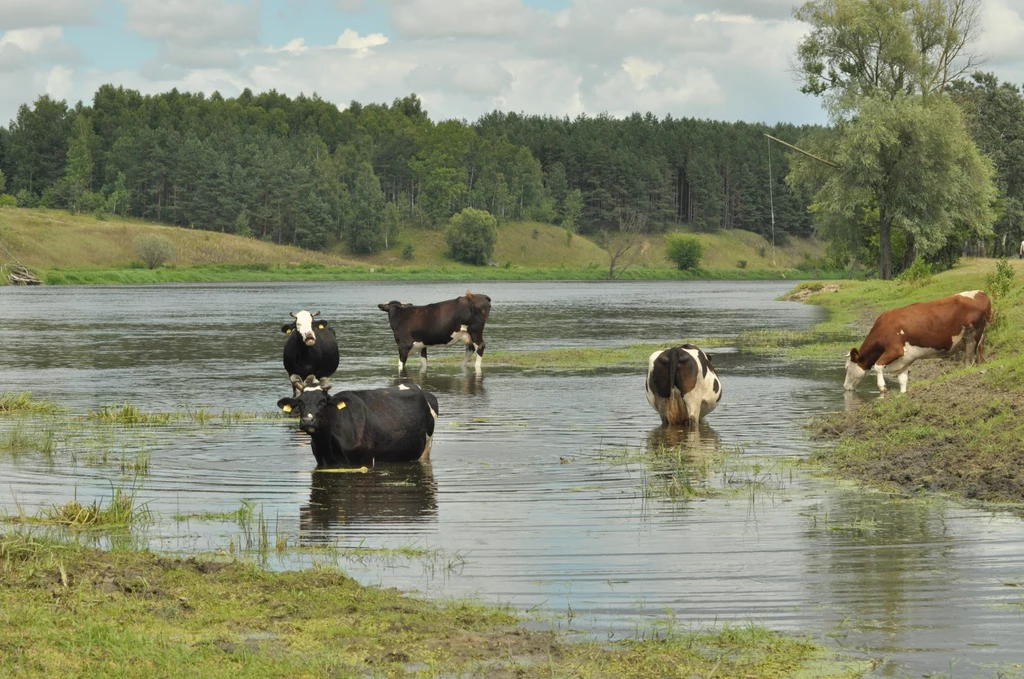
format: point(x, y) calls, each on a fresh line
point(682, 384)
point(311, 348)
point(363, 427)
point(454, 321)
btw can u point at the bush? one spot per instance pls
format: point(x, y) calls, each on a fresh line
point(471, 236)
point(536, 234)
point(154, 249)
point(684, 251)
point(1000, 281)
point(408, 251)
point(918, 273)
point(742, 264)
point(762, 252)
point(7, 200)
point(27, 199)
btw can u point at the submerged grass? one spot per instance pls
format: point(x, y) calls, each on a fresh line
point(130, 415)
point(72, 611)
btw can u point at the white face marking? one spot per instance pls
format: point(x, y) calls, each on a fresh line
point(969, 293)
point(304, 326)
point(854, 374)
point(403, 387)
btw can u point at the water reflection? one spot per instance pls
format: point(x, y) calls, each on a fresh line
point(852, 400)
point(468, 381)
point(399, 493)
point(699, 439)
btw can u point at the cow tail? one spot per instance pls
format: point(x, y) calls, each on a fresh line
point(673, 370)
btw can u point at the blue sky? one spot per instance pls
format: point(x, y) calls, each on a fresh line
point(722, 59)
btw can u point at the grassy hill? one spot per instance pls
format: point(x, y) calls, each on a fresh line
point(64, 248)
point(533, 244)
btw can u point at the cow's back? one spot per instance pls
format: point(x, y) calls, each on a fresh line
point(387, 425)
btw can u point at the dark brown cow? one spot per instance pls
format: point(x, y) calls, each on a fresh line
point(925, 330)
point(459, 320)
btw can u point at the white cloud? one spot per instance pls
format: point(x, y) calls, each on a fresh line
point(36, 13)
point(467, 78)
point(350, 40)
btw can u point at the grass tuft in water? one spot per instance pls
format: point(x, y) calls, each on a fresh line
point(23, 403)
point(122, 510)
point(243, 516)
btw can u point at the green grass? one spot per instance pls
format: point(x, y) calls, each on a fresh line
point(130, 415)
point(121, 511)
point(22, 403)
point(958, 430)
point(66, 610)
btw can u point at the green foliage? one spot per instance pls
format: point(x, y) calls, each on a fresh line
point(471, 236)
point(364, 232)
point(408, 252)
point(572, 209)
point(154, 249)
point(78, 175)
point(684, 251)
point(391, 223)
point(242, 224)
point(742, 264)
point(918, 273)
point(906, 164)
point(3, 181)
point(27, 199)
point(120, 196)
point(7, 200)
point(1000, 281)
point(906, 168)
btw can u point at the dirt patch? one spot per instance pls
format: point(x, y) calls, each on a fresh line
point(803, 292)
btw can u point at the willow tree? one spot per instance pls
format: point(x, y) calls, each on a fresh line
point(905, 161)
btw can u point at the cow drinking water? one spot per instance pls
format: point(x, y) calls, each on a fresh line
point(454, 321)
point(682, 385)
point(925, 330)
point(311, 348)
point(363, 427)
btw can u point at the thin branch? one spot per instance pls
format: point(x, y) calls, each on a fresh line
point(799, 150)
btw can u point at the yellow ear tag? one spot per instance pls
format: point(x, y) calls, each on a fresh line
point(286, 408)
point(288, 331)
point(321, 326)
point(341, 404)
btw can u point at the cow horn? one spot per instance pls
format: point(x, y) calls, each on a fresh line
point(293, 314)
point(315, 314)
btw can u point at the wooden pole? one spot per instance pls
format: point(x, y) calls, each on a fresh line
point(799, 150)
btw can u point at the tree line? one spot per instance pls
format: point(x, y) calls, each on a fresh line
point(303, 171)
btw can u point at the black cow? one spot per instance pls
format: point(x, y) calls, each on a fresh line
point(455, 320)
point(363, 427)
point(311, 348)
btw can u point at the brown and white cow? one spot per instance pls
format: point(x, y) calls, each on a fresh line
point(454, 321)
point(682, 384)
point(925, 330)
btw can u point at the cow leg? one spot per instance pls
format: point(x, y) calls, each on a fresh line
point(979, 352)
point(479, 344)
point(423, 358)
point(970, 345)
point(403, 355)
point(880, 374)
point(903, 377)
point(468, 355)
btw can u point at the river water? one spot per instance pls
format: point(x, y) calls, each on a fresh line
point(541, 491)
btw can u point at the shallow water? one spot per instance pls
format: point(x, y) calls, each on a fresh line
point(528, 498)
